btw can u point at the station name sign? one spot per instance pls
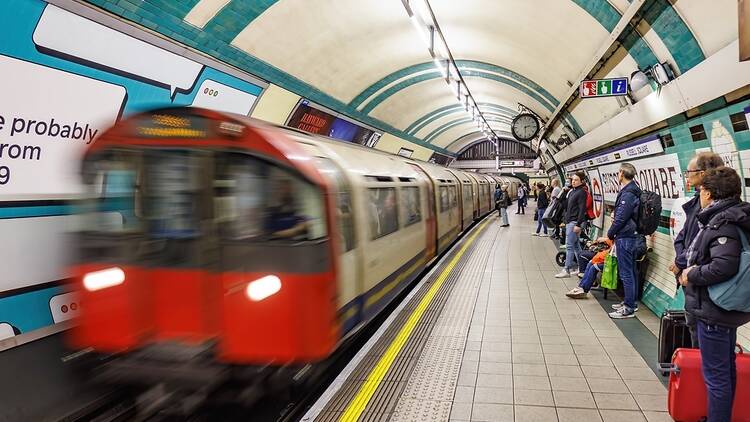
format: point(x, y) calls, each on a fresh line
point(603, 88)
point(638, 149)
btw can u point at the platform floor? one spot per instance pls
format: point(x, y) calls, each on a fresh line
point(501, 342)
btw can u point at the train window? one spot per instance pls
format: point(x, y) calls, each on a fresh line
point(342, 192)
point(112, 180)
point(444, 199)
point(253, 198)
point(383, 211)
point(172, 192)
point(466, 193)
point(410, 205)
point(452, 196)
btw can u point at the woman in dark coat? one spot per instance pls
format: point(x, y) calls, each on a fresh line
point(714, 257)
point(542, 202)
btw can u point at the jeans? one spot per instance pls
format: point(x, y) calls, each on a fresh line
point(589, 276)
point(719, 368)
point(521, 206)
point(539, 214)
point(572, 246)
point(583, 260)
point(504, 215)
point(626, 268)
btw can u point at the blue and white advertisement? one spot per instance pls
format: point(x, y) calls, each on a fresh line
point(66, 78)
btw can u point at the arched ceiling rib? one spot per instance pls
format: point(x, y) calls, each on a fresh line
point(364, 58)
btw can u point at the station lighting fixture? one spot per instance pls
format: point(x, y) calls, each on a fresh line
point(421, 16)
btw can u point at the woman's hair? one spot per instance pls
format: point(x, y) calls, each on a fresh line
point(581, 175)
point(540, 185)
point(722, 183)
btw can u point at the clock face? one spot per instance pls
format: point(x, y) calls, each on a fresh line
point(525, 127)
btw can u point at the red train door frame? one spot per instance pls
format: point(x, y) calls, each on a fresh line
point(431, 220)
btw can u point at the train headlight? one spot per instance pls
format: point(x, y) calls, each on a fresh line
point(263, 287)
point(103, 279)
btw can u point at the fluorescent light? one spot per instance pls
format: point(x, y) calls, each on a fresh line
point(103, 279)
point(263, 287)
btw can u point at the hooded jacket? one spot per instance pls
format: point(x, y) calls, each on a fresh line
point(626, 212)
point(715, 254)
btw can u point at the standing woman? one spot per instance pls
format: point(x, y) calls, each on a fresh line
point(714, 257)
point(521, 199)
point(541, 206)
point(502, 202)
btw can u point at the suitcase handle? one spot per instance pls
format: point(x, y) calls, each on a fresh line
point(740, 350)
point(668, 368)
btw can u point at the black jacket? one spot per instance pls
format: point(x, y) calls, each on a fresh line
point(627, 206)
point(541, 200)
point(575, 212)
point(502, 199)
point(688, 232)
point(716, 257)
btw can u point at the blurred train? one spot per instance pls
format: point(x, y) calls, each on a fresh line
point(214, 242)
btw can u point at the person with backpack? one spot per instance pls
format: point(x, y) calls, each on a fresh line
point(713, 257)
point(521, 199)
point(696, 168)
point(575, 216)
point(502, 202)
point(624, 232)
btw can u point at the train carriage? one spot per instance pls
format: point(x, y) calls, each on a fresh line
point(219, 235)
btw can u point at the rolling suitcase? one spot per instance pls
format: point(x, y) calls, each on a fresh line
point(673, 334)
point(687, 400)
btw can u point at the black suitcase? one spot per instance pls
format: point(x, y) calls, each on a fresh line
point(673, 334)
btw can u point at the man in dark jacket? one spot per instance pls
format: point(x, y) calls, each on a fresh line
point(623, 232)
point(694, 175)
point(575, 216)
point(712, 258)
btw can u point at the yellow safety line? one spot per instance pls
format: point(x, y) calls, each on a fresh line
point(367, 390)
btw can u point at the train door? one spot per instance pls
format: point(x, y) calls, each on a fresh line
point(459, 192)
point(350, 280)
point(430, 220)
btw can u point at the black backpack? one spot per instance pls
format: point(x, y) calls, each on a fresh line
point(649, 213)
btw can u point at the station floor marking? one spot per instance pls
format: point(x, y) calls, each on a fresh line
point(375, 377)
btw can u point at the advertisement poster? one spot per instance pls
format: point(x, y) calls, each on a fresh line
point(597, 193)
point(661, 174)
point(65, 78)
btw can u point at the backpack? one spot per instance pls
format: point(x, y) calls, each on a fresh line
point(649, 213)
point(590, 214)
point(734, 294)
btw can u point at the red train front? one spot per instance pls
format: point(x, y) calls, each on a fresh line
point(192, 239)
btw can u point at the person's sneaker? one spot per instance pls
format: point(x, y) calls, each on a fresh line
point(562, 274)
point(576, 293)
point(622, 313)
point(535, 234)
point(574, 271)
point(544, 235)
point(618, 306)
point(580, 275)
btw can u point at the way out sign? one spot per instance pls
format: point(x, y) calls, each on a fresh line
point(604, 87)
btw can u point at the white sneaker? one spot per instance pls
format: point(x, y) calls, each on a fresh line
point(543, 235)
point(577, 293)
point(535, 234)
point(562, 274)
point(574, 271)
point(618, 306)
point(622, 313)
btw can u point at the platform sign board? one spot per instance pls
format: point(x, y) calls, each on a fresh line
point(604, 87)
point(644, 147)
point(661, 174)
point(597, 194)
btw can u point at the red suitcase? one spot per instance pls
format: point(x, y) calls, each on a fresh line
point(687, 400)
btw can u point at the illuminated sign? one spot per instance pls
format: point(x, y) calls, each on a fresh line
point(171, 126)
point(603, 87)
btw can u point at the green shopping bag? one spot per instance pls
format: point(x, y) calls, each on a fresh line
point(609, 274)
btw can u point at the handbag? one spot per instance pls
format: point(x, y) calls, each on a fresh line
point(734, 294)
point(609, 274)
point(548, 217)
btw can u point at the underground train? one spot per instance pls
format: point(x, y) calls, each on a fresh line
point(215, 234)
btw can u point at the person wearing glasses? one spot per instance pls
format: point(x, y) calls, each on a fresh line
point(696, 169)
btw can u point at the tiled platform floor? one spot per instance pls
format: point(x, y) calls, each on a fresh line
point(526, 352)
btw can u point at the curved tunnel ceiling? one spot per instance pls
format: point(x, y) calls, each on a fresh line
point(364, 58)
